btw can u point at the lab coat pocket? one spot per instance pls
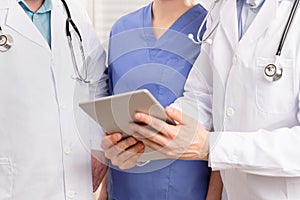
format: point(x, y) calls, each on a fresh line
point(279, 96)
point(6, 179)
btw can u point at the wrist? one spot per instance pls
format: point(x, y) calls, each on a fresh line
point(204, 149)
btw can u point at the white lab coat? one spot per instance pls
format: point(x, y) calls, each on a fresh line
point(44, 137)
point(256, 122)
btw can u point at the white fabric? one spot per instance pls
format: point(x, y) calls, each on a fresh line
point(248, 11)
point(256, 122)
point(45, 138)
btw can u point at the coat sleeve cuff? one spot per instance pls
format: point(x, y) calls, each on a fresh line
point(221, 152)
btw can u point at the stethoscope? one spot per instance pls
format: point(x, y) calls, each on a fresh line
point(6, 42)
point(206, 38)
point(69, 21)
point(272, 72)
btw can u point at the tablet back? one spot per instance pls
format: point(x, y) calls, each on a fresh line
point(114, 113)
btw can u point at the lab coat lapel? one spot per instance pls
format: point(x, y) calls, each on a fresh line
point(261, 22)
point(4, 4)
point(58, 26)
point(60, 46)
point(228, 21)
point(20, 22)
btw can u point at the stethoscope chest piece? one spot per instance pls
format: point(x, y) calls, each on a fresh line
point(273, 72)
point(6, 42)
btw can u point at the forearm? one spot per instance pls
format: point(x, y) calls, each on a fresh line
point(267, 153)
point(215, 187)
point(103, 194)
point(198, 90)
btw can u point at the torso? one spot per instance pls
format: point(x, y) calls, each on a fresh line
point(161, 66)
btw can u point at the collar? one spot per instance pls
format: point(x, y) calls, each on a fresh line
point(254, 3)
point(46, 7)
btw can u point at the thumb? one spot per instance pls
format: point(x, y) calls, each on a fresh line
point(174, 114)
point(179, 117)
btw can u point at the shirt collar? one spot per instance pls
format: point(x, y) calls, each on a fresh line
point(46, 7)
point(254, 3)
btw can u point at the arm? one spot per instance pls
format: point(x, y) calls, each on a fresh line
point(98, 87)
point(99, 168)
point(215, 187)
point(103, 194)
point(196, 103)
point(262, 152)
point(267, 153)
point(95, 59)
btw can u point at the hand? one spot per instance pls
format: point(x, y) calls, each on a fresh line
point(99, 168)
point(187, 140)
point(122, 153)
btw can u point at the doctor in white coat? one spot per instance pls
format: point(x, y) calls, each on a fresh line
point(256, 137)
point(45, 140)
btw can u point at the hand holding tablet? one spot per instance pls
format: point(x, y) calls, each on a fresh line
point(115, 113)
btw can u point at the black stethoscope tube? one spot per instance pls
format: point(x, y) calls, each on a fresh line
point(287, 27)
point(6, 42)
point(70, 21)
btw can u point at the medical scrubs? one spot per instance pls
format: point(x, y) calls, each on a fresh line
point(137, 60)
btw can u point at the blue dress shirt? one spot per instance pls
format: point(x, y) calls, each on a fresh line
point(247, 11)
point(41, 18)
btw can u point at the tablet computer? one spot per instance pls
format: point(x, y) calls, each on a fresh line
point(114, 113)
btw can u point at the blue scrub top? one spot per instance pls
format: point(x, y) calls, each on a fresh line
point(137, 60)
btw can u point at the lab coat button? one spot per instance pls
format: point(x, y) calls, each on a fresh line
point(229, 112)
point(71, 194)
point(67, 151)
point(234, 60)
point(63, 106)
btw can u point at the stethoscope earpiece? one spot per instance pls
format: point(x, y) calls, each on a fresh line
point(191, 37)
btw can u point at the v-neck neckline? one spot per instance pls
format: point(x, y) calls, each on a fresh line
point(178, 25)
